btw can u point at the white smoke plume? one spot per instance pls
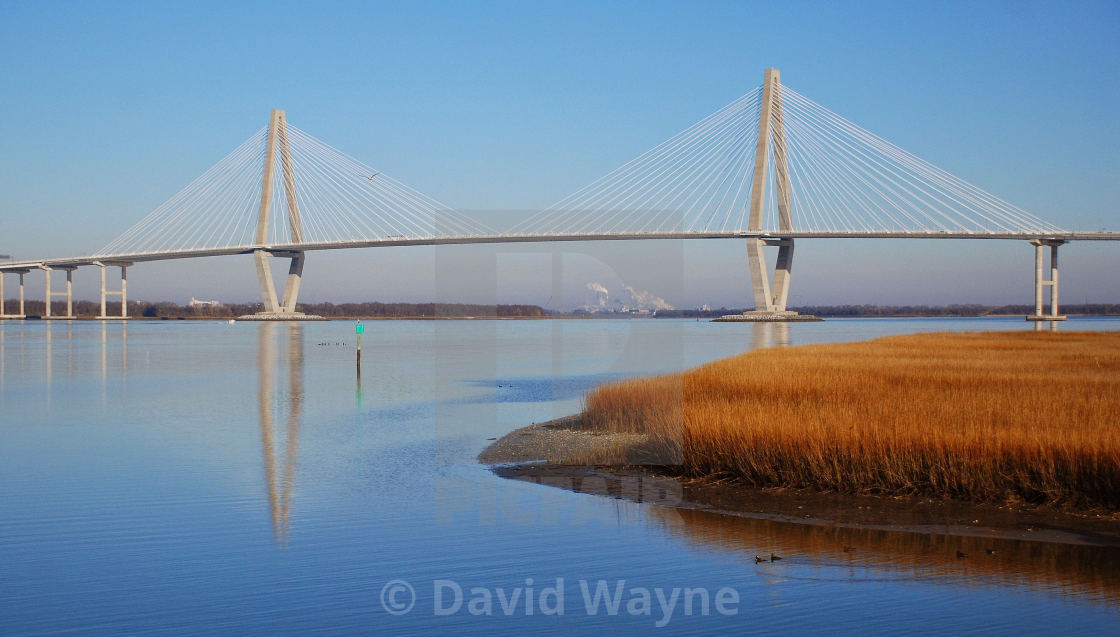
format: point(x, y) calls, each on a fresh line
point(646, 301)
point(639, 299)
point(598, 287)
point(601, 292)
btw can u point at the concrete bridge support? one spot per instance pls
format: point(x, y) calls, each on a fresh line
point(123, 292)
point(1040, 282)
point(291, 287)
point(69, 293)
point(770, 297)
point(3, 300)
point(279, 308)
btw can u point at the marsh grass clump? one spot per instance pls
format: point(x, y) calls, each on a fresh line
point(998, 416)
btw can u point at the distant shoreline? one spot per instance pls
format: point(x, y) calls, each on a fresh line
point(226, 319)
point(506, 318)
point(372, 310)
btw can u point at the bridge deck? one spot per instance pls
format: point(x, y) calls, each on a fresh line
point(280, 249)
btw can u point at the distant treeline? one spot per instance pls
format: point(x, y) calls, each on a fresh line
point(398, 310)
point(1095, 309)
point(166, 309)
point(1090, 309)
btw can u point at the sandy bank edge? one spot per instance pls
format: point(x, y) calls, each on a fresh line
point(537, 453)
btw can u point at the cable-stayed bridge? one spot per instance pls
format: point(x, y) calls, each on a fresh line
point(771, 167)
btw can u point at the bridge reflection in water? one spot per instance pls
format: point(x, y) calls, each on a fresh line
point(105, 353)
point(769, 334)
point(279, 449)
point(280, 468)
point(866, 551)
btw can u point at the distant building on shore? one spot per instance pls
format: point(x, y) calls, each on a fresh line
point(196, 303)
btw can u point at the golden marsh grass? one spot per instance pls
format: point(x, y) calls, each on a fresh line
point(1007, 416)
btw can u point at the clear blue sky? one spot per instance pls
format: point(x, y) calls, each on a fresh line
point(107, 109)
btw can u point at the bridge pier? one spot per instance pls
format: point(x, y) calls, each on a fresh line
point(268, 287)
point(279, 308)
point(291, 286)
point(123, 292)
point(770, 297)
point(1040, 282)
point(3, 300)
point(69, 293)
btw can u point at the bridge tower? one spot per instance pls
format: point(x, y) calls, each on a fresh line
point(770, 297)
point(279, 308)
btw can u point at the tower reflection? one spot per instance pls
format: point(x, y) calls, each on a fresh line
point(280, 470)
point(105, 347)
point(766, 334)
point(105, 341)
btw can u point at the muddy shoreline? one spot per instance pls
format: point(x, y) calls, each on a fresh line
point(538, 453)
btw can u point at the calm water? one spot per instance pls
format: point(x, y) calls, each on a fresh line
point(180, 477)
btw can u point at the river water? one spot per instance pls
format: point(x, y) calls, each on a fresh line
point(202, 477)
